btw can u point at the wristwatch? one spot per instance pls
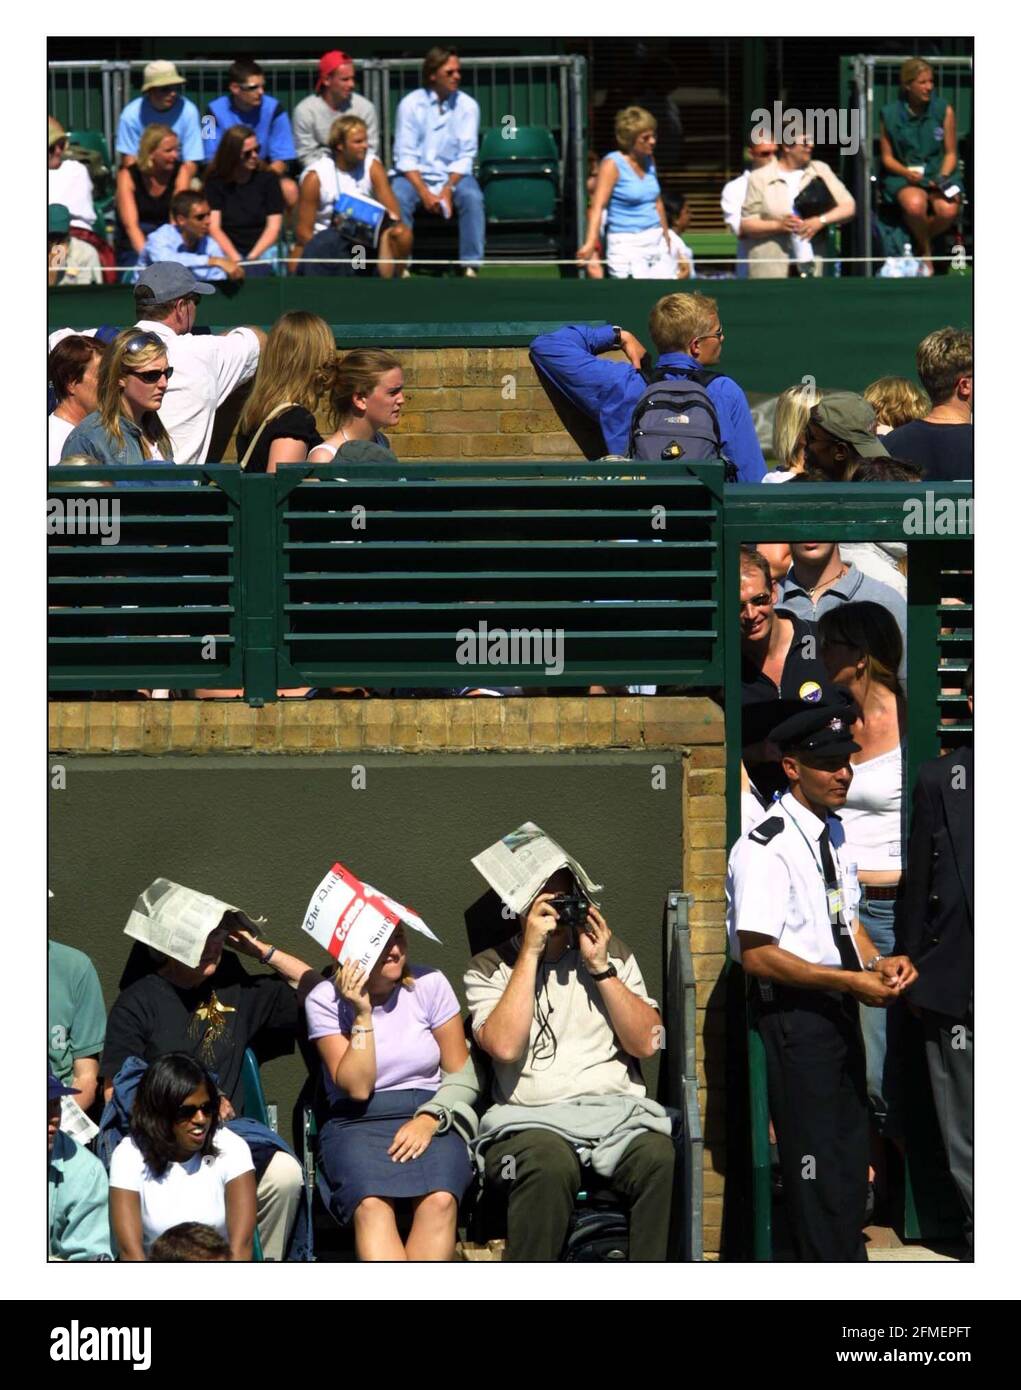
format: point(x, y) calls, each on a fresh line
point(618, 340)
point(265, 960)
point(874, 962)
point(609, 973)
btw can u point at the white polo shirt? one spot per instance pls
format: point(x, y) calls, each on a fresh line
point(207, 368)
point(775, 884)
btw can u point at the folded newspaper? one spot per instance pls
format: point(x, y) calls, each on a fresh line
point(75, 1122)
point(517, 866)
point(177, 920)
point(354, 921)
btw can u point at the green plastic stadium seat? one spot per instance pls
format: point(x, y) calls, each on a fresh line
point(530, 142)
point(91, 140)
point(519, 176)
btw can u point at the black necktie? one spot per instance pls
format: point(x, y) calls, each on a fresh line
point(848, 955)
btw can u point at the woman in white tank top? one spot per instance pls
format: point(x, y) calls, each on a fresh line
point(351, 168)
point(860, 646)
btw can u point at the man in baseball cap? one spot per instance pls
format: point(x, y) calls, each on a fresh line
point(334, 96)
point(162, 103)
point(841, 428)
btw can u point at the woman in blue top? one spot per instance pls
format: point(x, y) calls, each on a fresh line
point(918, 154)
point(637, 234)
point(126, 427)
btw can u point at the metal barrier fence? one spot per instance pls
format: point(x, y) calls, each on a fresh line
point(309, 577)
point(547, 90)
point(681, 1066)
point(936, 523)
point(870, 81)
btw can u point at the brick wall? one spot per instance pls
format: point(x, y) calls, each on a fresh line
point(692, 725)
point(471, 403)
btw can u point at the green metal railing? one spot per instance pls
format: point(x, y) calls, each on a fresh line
point(939, 649)
point(366, 575)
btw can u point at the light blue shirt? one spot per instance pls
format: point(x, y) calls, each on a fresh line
point(632, 205)
point(167, 244)
point(436, 138)
point(182, 118)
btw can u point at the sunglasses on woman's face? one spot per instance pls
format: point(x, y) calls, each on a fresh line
point(151, 377)
point(188, 1112)
point(59, 145)
point(251, 154)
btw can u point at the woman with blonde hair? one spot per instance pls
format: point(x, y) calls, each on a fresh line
point(382, 1038)
point(367, 393)
point(125, 427)
point(918, 158)
point(896, 401)
point(637, 232)
point(790, 420)
point(277, 424)
point(145, 190)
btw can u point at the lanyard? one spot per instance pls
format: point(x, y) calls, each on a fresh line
point(839, 912)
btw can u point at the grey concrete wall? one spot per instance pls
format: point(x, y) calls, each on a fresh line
point(261, 832)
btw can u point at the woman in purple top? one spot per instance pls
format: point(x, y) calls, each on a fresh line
point(383, 1039)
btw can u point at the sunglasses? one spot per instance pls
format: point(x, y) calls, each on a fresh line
point(151, 377)
point(172, 90)
point(250, 154)
point(188, 1112)
point(756, 601)
point(59, 145)
point(252, 86)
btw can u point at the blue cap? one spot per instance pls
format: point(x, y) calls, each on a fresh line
point(54, 1089)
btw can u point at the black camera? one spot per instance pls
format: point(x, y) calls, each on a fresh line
point(572, 912)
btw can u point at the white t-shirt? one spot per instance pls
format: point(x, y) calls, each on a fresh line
point(71, 185)
point(681, 251)
point(207, 368)
point(731, 202)
point(58, 430)
point(334, 181)
point(192, 1191)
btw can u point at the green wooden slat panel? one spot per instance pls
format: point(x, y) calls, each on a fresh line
point(140, 638)
point(624, 605)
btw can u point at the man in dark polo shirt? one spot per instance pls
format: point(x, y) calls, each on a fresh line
point(780, 669)
point(942, 444)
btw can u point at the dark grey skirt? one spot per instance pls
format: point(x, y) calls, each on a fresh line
point(353, 1158)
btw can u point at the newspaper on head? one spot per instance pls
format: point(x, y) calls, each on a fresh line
point(517, 866)
point(177, 920)
point(354, 921)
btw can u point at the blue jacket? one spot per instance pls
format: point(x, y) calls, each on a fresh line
point(115, 1124)
point(270, 124)
point(608, 392)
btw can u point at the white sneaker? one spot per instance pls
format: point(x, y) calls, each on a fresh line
point(405, 274)
point(470, 272)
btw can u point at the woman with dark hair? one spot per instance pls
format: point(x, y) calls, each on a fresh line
point(245, 201)
point(383, 1038)
point(861, 648)
point(180, 1164)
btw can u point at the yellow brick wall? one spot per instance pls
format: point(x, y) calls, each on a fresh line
point(692, 725)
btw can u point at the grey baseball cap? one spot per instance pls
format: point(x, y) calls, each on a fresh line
point(167, 280)
point(850, 418)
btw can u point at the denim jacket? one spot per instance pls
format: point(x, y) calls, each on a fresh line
point(91, 437)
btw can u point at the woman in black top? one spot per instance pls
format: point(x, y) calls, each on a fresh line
point(245, 200)
point(295, 369)
point(144, 191)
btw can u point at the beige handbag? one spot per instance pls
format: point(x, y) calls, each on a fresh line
point(277, 410)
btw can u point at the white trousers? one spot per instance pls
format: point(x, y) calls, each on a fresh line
point(277, 1198)
point(640, 255)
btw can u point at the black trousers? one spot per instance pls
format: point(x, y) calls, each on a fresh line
point(815, 1063)
point(540, 1174)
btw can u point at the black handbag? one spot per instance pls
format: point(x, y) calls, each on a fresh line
point(814, 199)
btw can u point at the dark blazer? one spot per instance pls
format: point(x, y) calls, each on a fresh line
point(935, 913)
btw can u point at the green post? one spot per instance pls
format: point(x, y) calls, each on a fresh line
point(259, 558)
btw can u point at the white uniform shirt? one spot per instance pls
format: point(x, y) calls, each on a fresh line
point(192, 1191)
point(206, 370)
point(775, 884)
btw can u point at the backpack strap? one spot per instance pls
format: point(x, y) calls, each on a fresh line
point(277, 410)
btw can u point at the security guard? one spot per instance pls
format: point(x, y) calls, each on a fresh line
point(791, 922)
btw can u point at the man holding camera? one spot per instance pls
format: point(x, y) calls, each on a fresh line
point(563, 1012)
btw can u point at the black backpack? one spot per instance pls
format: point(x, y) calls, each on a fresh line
point(674, 418)
point(596, 1233)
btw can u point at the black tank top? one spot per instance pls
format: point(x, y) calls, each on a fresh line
point(152, 211)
